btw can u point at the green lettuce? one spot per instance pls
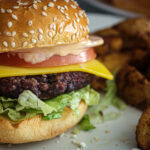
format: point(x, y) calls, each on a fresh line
point(110, 99)
point(28, 104)
point(86, 124)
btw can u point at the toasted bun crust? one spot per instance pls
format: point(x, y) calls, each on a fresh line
point(36, 129)
point(40, 23)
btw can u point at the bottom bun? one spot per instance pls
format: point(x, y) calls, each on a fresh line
point(36, 129)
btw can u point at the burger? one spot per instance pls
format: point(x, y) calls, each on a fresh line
point(46, 65)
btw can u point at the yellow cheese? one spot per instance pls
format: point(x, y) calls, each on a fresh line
point(93, 67)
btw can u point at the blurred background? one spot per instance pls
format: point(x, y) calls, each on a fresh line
point(125, 8)
point(88, 7)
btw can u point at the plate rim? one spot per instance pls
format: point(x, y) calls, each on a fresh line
point(112, 9)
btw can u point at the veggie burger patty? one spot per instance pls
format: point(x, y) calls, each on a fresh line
point(44, 86)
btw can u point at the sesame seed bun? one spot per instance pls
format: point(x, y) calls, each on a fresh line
point(36, 129)
point(40, 23)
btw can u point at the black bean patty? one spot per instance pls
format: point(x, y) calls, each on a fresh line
point(45, 86)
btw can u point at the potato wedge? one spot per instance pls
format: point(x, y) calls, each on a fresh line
point(137, 30)
point(133, 87)
point(112, 42)
point(143, 130)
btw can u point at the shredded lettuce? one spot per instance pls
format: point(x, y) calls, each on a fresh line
point(100, 112)
point(28, 104)
point(86, 124)
point(110, 99)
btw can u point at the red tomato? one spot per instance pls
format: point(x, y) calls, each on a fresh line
point(10, 60)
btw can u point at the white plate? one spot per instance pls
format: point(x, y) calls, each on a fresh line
point(121, 134)
point(104, 6)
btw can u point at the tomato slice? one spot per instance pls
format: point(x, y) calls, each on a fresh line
point(54, 61)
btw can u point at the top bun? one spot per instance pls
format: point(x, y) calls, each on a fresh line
point(40, 23)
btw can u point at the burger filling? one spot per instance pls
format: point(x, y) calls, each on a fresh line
point(45, 86)
point(32, 85)
point(28, 90)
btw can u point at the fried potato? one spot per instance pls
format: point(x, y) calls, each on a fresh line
point(115, 61)
point(140, 60)
point(107, 32)
point(143, 130)
point(132, 5)
point(136, 30)
point(112, 42)
point(133, 87)
point(112, 61)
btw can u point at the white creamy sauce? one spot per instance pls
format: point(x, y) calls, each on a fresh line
point(38, 55)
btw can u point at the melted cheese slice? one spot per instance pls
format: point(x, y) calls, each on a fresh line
point(94, 67)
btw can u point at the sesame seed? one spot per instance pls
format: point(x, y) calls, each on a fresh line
point(66, 1)
point(75, 24)
point(40, 30)
point(5, 44)
point(58, 42)
point(32, 31)
point(14, 17)
point(30, 22)
point(67, 17)
point(45, 8)
point(55, 18)
point(77, 34)
point(25, 44)
point(81, 27)
point(73, 37)
point(50, 34)
point(58, 7)
point(33, 41)
point(9, 24)
point(53, 26)
point(13, 33)
point(78, 20)
point(8, 33)
point(35, 2)
point(88, 21)
point(2, 10)
point(25, 34)
point(76, 15)
point(54, 0)
point(9, 10)
point(62, 11)
point(39, 1)
point(61, 30)
point(40, 37)
point(34, 6)
point(20, 3)
point(50, 4)
point(13, 44)
point(84, 29)
point(75, 2)
point(73, 6)
point(66, 7)
point(44, 13)
point(81, 13)
point(15, 7)
point(80, 34)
